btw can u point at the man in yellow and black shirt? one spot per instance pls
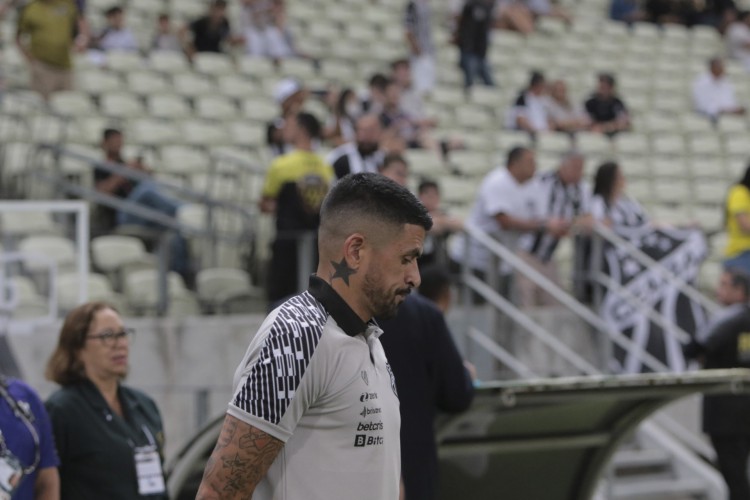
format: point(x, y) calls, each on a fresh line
point(295, 186)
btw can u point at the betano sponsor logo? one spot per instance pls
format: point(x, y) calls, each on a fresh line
point(369, 411)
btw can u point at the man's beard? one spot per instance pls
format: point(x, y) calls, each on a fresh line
point(382, 301)
point(367, 148)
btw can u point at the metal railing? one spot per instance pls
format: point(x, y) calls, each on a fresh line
point(498, 303)
point(211, 233)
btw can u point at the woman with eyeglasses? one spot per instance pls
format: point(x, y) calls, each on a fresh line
point(28, 461)
point(109, 436)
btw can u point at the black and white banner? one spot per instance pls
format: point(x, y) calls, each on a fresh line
point(680, 251)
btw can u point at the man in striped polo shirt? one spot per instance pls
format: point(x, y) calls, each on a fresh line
point(315, 413)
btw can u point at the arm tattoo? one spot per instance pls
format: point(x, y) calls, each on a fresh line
point(342, 270)
point(239, 461)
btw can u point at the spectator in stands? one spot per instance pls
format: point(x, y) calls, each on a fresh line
point(443, 225)
point(295, 186)
point(473, 38)
point(374, 101)
point(414, 131)
point(564, 115)
point(143, 193)
point(29, 459)
point(611, 205)
point(116, 36)
point(346, 110)
point(396, 169)
point(421, 46)
point(210, 32)
point(290, 95)
point(515, 15)
point(165, 38)
point(430, 377)
point(365, 154)
point(737, 224)
point(726, 417)
point(713, 93)
point(738, 39)
point(561, 194)
point(627, 11)
point(530, 111)
point(502, 209)
point(279, 40)
point(606, 110)
point(256, 17)
point(106, 433)
point(411, 99)
point(45, 36)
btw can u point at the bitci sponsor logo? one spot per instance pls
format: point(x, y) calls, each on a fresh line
point(362, 440)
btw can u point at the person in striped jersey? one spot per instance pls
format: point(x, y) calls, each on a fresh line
point(561, 194)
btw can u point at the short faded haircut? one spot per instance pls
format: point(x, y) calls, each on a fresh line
point(366, 202)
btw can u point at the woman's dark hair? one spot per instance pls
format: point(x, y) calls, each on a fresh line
point(604, 180)
point(64, 366)
point(341, 103)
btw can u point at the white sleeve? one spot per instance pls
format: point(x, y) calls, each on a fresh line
point(598, 208)
point(500, 197)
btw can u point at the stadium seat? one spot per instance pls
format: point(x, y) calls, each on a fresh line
point(56, 248)
point(151, 132)
point(168, 106)
point(73, 103)
point(216, 107)
point(141, 289)
point(213, 64)
point(193, 84)
point(124, 61)
point(168, 62)
point(96, 82)
point(183, 160)
point(19, 224)
point(121, 105)
point(471, 163)
point(147, 83)
point(98, 288)
point(216, 285)
point(203, 133)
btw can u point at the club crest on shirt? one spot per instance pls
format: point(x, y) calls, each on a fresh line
point(364, 377)
point(393, 379)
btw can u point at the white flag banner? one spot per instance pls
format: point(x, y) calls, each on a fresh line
point(680, 251)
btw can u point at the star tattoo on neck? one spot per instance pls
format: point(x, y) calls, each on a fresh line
point(342, 270)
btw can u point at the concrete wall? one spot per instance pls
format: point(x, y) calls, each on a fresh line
point(172, 360)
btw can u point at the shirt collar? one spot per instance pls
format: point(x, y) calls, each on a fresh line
point(337, 307)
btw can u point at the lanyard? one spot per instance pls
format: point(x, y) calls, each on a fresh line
point(24, 414)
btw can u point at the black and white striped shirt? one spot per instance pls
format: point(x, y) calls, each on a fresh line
point(553, 199)
point(315, 376)
point(417, 21)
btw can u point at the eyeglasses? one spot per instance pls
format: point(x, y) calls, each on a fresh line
point(109, 338)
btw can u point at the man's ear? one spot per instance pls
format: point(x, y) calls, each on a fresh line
point(353, 247)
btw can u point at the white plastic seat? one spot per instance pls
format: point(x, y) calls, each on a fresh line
point(424, 163)
point(247, 134)
point(147, 82)
point(73, 103)
point(183, 160)
point(706, 145)
point(151, 132)
point(473, 163)
point(168, 106)
point(474, 117)
point(14, 224)
point(111, 252)
point(234, 86)
point(217, 284)
point(141, 288)
point(675, 167)
point(259, 109)
point(256, 67)
point(193, 84)
point(669, 144)
point(213, 64)
point(98, 287)
point(169, 62)
point(124, 61)
point(216, 107)
point(592, 143)
point(201, 133)
point(553, 142)
point(58, 249)
point(97, 82)
point(121, 105)
point(457, 190)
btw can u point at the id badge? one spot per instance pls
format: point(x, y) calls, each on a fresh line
point(11, 473)
point(148, 470)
